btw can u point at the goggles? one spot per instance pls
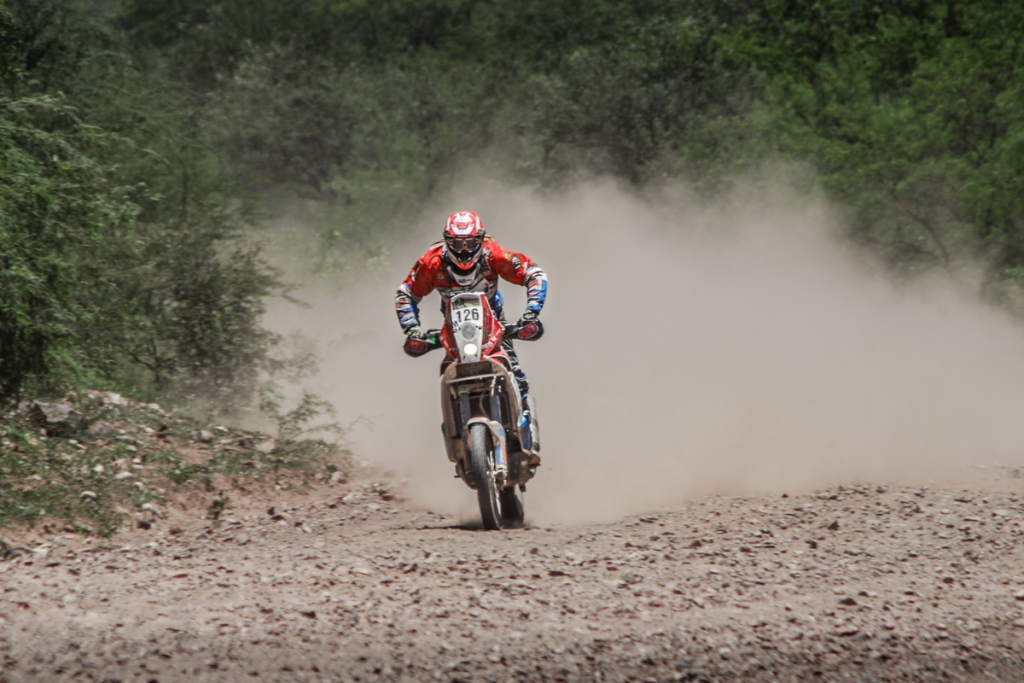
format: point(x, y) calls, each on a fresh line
point(462, 244)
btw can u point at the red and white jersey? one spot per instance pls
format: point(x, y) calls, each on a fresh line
point(432, 272)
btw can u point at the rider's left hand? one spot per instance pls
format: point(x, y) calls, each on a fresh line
point(527, 318)
point(528, 328)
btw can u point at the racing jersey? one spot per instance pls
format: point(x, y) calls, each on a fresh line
point(431, 272)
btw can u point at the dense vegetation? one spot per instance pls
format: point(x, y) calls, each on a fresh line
point(138, 139)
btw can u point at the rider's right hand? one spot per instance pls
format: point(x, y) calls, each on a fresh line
point(418, 333)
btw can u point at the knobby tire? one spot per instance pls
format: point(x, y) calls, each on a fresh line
point(482, 463)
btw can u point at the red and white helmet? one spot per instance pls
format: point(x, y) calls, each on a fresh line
point(464, 239)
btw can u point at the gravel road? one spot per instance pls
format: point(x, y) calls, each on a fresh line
point(353, 584)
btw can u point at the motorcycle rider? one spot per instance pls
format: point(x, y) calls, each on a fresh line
point(467, 260)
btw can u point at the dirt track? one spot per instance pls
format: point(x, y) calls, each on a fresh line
point(858, 583)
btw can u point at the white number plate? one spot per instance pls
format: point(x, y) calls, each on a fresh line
point(467, 311)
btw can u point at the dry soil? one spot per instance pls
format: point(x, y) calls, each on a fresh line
point(351, 583)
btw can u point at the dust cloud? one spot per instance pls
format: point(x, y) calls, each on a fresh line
point(690, 349)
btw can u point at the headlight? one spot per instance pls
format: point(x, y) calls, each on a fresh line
point(470, 349)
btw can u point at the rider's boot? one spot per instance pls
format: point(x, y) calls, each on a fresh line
point(531, 416)
point(529, 407)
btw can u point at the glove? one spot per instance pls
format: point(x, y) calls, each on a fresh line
point(529, 327)
point(418, 333)
point(419, 341)
point(527, 318)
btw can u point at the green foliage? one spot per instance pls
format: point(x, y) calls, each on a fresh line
point(124, 257)
point(911, 112)
point(299, 421)
point(141, 142)
point(217, 507)
point(363, 111)
point(62, 228)
point(636, 107)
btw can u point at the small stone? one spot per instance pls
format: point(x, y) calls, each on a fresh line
point(1019, 595)
point(242, 538)
point(201, 436)
point(58, 419)
point(267, 446)
point(99, 428)
point(848, 601)
point(834, 526)
point(91, 495)
point(338, 477)
point(122, 475)
point(115, 400)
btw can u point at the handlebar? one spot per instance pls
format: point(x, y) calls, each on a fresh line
point(419, 346)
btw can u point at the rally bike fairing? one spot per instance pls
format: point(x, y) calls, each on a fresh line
point(467, 317)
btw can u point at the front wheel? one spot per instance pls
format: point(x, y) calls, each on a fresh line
point(482, 463)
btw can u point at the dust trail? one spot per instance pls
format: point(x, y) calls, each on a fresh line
point(689, 350)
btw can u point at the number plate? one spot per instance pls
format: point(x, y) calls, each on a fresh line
point(466, 311)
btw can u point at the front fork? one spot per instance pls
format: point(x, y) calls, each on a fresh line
point(493, 423)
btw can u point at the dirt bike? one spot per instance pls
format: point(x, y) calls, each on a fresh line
point(492, 441)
